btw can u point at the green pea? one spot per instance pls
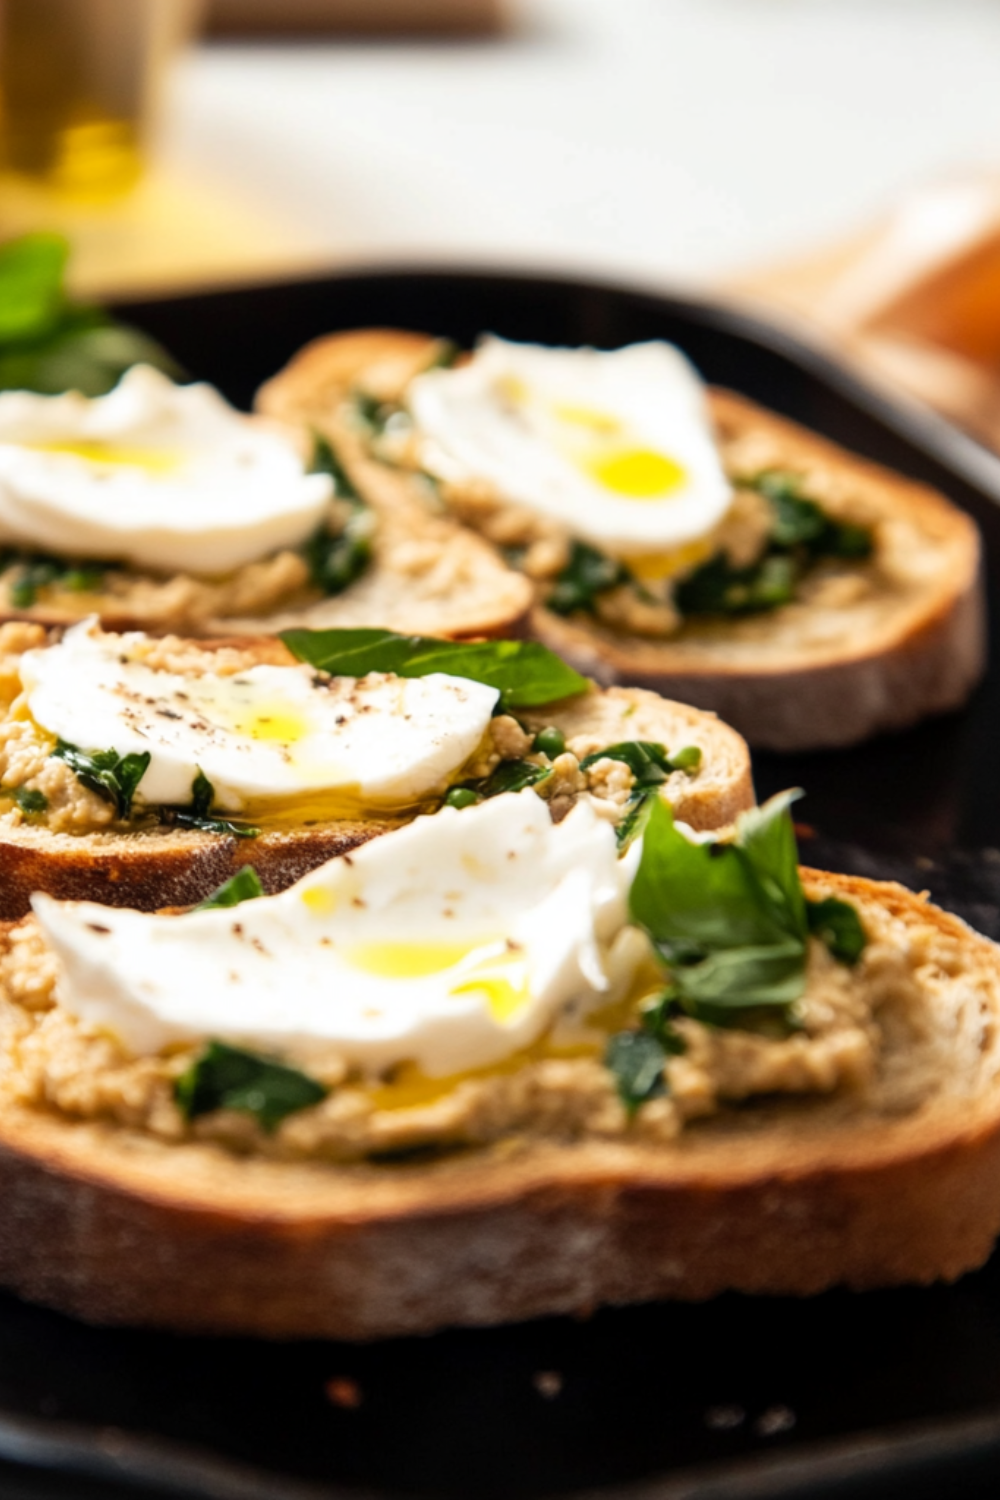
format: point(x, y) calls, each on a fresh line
point(461, 796)
point(688, 759)
point(550, 742)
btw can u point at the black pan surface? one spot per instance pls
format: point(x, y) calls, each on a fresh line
point(882, 1394)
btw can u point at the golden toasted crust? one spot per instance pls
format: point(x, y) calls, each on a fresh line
point(783, 1197)
point(796, 678)
point(162, 867)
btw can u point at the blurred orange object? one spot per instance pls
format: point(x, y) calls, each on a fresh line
point(916, 299)
point(469, 17)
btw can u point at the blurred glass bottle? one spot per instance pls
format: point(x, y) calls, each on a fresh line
point(80, 82)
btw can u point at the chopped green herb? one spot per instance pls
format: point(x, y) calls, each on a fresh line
point(326, 461)
point(837, 924)
point(648, 762)
point(587, 574)
point(688, 758)
point(35, 571)
point(202, 794)
point(801, 534)
point(525, 672)
point(512, 776)
point(202, 797)
point(112, 776)
point(225, 1077)
point(24, 587)
point(243, 886)
point(800, 522)
point(656, 1016)
point(633, 820)
point(49, 344)
point(461, 796)
point(636, 1058)
point(550, 742)
point(719, 588)
point(338, 559)
point(29, 800)
point(82, 578)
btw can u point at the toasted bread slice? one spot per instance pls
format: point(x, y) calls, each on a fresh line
point(154, 866)
point(865, 648)
point(427, 575)
point(812, 674)
point(784, 1195)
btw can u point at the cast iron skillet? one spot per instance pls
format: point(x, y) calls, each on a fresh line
point(841, 1395)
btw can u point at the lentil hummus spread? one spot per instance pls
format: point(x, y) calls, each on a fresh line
point(852, 1027)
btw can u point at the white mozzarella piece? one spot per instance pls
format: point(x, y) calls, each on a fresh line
point(451, 943)
point(154, 474)
point(616, 446)
point(269, 732)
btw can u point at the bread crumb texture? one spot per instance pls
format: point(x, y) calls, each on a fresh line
point(872, 1037)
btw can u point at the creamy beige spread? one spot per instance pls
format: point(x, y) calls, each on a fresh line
point(165, 603)
point(862, 1033)
point(26, 759)
point(542, 546)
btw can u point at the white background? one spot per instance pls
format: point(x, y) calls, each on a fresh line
point(678, 140)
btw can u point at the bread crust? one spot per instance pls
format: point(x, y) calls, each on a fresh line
point(782, 1197)
point(148, 870)
point(924, 658)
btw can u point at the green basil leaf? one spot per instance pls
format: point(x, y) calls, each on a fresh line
point(31, 285)
point(525, 672)
point(767, 836)
point(202, 794)
point(511, 776)
point(47, 343)
point(636, 1058)
point(648, 762)
point(112, 776)
point(89, 354)
point(730, 920)
point(633, 821)
point(29, 800)
point(743, 978)
point(225, 1077)
point(202, 797)
point(587, 574)
point(656, 1017)
point(224, 826)
point(696, 898)
point(837, 924)
point(243, 886)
